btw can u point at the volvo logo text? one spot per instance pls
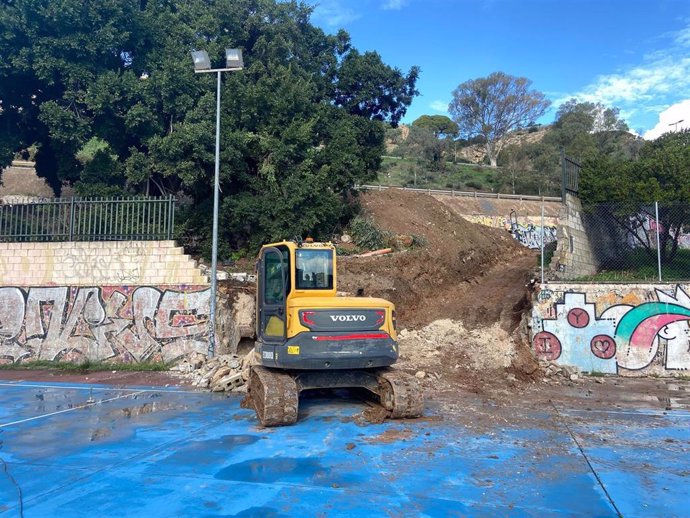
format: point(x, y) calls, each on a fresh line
point(348, 318)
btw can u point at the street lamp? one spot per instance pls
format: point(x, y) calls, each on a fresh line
point(202, 65)
point(675, 124)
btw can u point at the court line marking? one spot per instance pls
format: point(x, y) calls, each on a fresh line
point(98, 387)
point(78, 407)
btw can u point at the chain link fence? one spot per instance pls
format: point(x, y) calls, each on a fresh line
point(630, 242)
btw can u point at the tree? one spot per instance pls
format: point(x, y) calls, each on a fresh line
point(494, 106)
point(440, 125)
point(627, 189)
point(107, 91)
point(422, 144)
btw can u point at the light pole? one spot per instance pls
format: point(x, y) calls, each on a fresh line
point(675, 124)
point(202, 65)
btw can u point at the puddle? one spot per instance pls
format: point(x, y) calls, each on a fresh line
point(276, 469)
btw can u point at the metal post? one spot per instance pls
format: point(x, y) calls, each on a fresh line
point(214, 249)
point(542, 244)
point(658, 241)
point(563, 174)
point(71, 219)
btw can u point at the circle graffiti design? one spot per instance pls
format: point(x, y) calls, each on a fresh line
point(603, 346)
point(578, 317)
point(547, 346)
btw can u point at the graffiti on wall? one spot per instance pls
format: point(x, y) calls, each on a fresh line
point(623, 336)
point(525, 229)
point(123, 323)
point(531, 235)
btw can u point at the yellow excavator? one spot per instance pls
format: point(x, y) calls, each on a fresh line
point(309, 338)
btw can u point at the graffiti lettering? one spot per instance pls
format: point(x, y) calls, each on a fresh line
point(122, 323)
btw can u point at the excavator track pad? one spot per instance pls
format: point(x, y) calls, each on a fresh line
point(400, 394)
point(274, 394)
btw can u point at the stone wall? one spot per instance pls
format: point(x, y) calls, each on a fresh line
point(574, 256)
point(629, 329)
point(97, 264)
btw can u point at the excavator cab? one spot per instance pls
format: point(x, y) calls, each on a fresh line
point(303, 324)
point(307, 337)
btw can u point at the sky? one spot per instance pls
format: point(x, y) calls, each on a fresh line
point(629, 54)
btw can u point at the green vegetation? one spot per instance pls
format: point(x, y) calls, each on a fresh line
point(637, 265)
point(619, 189)
point(85, 366)
point(106, 93)
point(409, 172)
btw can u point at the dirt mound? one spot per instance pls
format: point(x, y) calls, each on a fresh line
point(465, 272)
point(460, 298)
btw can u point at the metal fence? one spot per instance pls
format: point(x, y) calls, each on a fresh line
point(466, 194)
point(645, 242)
point(570, 171)
point(88, 219)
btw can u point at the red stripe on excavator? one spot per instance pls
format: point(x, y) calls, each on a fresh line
point(359, 336)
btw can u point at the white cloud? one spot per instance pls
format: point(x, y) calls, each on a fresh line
point(334, 14)
point(659, 81)
point(439, 106)
point(668, 118)
point(394, 5)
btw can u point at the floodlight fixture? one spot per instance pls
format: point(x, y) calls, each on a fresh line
point(233, 58)
point(202, 62)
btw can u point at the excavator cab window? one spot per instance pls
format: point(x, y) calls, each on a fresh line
point(314, 269)
point(272, 294)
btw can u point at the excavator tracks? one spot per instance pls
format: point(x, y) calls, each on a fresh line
point(274, 396)
point(400, 394)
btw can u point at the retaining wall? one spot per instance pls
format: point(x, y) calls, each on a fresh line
point(97, 263)
point(115, 323)
point(629, 329)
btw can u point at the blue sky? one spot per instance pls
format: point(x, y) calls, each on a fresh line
point(631, 54)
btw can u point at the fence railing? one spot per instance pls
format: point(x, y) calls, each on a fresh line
point(571, 174)
point(88, 219)
point(467, 194)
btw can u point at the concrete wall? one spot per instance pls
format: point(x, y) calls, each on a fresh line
point(97, 264)
point(122, 301)
point(116, 323)
point(519, 217)
point(629, 329)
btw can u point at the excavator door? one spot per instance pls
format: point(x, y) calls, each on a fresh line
point(271, 316)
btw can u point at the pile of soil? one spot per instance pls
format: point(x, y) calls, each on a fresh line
point(465, 272)
point(461, 297)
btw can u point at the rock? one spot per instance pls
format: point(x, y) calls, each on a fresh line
point(600, 380)
point(574, 377)
point(228, 383)
point(346, 238)
point(221, 372)
point(420, 375)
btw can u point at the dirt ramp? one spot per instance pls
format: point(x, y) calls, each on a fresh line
point(465, 271)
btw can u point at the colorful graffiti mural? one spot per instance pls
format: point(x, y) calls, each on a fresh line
point(623, 336)
point(121, 323)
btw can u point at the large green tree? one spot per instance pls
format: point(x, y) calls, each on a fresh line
point(494, 106)
point(107, 91)
point(625, 190)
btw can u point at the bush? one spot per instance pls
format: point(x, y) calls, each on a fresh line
point(475, 185)
point(365, 233)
